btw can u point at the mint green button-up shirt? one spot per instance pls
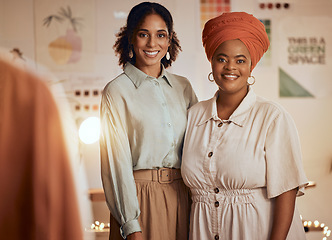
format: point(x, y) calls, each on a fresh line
point(143, 121)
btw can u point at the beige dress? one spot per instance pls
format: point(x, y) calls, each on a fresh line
point(235, 168)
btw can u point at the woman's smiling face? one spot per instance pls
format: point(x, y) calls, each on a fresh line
point(231, 64)
point(151, 42)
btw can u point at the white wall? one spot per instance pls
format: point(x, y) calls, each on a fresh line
point(312, 116)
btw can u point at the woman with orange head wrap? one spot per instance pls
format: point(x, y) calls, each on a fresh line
point(241, 154)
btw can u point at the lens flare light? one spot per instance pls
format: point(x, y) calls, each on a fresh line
point(89, 130)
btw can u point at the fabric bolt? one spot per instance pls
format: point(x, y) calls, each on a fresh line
point(38, 199)
point(165, 211)
point(143, 122)
point(234, 168)
point(236, 25)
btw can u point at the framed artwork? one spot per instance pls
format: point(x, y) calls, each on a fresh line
point(65, 34)
point(267, 57)
point(303, 48)
point(213, 8)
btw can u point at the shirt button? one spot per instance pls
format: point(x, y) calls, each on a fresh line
point(220, 124)
point(216, 237)
point(156, 83)
point(169, 124)
point(216, 190)
point(216, 204)
point(210, 154)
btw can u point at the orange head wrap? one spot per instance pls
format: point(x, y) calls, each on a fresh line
point(236, 25)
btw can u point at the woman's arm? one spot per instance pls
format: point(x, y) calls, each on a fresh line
point(135, 236)
point(283, 214)
point(116, 164)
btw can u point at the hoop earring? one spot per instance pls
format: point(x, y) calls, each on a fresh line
point(168, 56)
point(253, 81)
point(209, 77)
point(131, 54)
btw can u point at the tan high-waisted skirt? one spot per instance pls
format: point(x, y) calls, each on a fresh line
point(165, 209)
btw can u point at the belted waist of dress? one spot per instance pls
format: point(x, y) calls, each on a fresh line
point(161, 175)
point(227, 196)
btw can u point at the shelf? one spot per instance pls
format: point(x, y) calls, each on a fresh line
point(96, 195)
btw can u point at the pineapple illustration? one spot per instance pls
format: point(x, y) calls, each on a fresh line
point(67, 48)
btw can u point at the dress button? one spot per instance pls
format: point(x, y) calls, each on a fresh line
point(210, 154)
point(216, 237)
point(216, 204)
point(220, 124)
point(216, 190)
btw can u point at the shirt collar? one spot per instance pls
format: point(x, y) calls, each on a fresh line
point(239, 115)
point(137, 76)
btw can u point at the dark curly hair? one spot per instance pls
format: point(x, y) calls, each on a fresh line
point(135, 18)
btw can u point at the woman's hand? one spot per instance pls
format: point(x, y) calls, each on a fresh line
point(283, 214)
point(135, 236)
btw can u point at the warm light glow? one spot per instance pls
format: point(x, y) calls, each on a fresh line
point(89, 130)
point(317, 226)
point(102, 225)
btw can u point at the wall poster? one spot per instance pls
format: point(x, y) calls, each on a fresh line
point(303, 63)
point(213, 8)
point(65, 34)
point(266, 60)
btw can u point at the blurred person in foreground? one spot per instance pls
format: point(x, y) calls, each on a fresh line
point(38, 199)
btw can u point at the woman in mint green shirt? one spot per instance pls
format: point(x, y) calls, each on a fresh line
point(143, 117)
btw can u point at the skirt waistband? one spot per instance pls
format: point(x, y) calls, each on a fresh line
point(161, 175)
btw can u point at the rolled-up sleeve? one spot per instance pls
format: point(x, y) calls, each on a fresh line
point(116, 166)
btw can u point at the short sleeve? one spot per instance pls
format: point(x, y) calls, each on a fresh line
point(284, 167)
